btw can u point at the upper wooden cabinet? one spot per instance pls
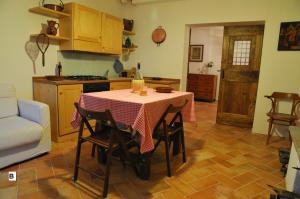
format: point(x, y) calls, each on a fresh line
point(112, 30)
point(87, 23)
point(91, 30)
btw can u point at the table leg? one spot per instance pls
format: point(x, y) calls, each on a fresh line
point(143, 166)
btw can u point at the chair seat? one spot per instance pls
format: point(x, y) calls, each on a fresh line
point(99, 140)
point(282, 117)
point(102, 139)
point(159, 133)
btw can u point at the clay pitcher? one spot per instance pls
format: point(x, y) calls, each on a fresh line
point(52, 27)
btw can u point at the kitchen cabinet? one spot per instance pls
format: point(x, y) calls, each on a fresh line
point(67, 96)
point(60, 99)
point(83, 27)
point(112, 28)
point(292, 177)
point(86, 29)
point(120, 85)
point(203, 86)
point(91, 30)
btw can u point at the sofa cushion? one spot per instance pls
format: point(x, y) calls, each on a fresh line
point(8, 101)
point(16, 131)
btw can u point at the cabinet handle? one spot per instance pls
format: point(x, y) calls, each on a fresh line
point(81, 91)
point(60, 93)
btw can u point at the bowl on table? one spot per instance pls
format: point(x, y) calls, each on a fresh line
point(164, 89)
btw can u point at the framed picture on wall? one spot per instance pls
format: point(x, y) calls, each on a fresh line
point(289, 36)
point(196, 53)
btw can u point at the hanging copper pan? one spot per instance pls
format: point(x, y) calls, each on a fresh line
point(159, 35)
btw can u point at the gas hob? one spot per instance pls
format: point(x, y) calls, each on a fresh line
point(85, 77)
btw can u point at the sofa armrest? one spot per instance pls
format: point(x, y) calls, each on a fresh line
point(35, 111)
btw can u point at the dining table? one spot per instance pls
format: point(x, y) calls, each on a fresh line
point(141, 112)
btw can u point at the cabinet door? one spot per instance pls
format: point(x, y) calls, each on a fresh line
point(67, 95)
point(112, 28)
point(87, 24)
point(120, 85)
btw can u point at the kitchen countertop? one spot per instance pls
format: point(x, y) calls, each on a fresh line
point(166, 81)
point(295, 134)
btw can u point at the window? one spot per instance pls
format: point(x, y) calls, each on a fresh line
point(241, 53)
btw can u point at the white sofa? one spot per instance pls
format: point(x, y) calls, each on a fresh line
point(24, 127)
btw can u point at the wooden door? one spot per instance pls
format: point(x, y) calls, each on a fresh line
point(87, 24)
point(241, 56)
point(67, 95)
point(112, 31)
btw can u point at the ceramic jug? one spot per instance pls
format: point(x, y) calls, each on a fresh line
point(52, 27)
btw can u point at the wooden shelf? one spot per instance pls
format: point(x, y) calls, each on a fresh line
point(52, 37)
point(125, 32)
point(49, 12)
point(129, 49)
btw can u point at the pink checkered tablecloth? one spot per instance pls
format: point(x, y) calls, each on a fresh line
point(141, 112)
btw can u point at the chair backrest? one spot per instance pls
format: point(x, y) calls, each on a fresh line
point(175, 110)
point(276, 97)
point(8, 101)
point(104, 116)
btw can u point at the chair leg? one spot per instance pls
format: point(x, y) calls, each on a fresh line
point(168, 156)
point(93, 150)
point(156, 145)
point(269, 131)
point(290, 138)
point(125, 152)
point(107, 172)
point(76, 166)
point(183, 146)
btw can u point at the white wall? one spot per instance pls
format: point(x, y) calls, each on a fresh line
point(280, 70)
point(17, 23)
point(212, 39)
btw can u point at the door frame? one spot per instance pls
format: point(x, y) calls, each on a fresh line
point(188, 39)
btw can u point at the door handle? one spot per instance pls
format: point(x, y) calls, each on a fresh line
point(222, 74)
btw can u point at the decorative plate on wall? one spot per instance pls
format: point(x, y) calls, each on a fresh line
point(159, 35)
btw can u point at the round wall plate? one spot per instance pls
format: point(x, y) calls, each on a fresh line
point(159, 35)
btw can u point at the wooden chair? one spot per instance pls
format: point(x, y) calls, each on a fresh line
point(168, 132)
point(275, 117)
point(107, 137)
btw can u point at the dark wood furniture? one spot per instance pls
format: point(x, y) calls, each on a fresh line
point(275, 117)
point(106, 136)
point(203, 86)
point(170, 131)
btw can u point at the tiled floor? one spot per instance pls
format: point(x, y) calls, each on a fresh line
point(223, 163)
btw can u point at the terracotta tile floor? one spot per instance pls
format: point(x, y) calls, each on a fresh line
point(223, 163)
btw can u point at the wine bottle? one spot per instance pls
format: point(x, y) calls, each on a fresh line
point(138, 72)
point(58, 69)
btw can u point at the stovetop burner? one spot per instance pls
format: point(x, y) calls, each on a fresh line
point(85, 77)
